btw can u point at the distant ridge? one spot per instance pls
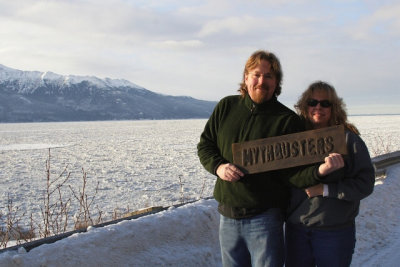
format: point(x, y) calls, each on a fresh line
point(384, 114)
point(33, 96)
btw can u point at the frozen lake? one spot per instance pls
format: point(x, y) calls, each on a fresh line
point(136, 164)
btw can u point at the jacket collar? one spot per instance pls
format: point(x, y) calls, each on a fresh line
point(260, 107)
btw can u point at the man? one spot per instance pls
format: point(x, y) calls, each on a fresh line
point(252, 205)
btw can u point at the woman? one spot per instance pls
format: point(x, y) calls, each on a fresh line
point(320, 228)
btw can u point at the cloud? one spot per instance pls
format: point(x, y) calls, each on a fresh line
point(236, 25)
point(178, 44)
point(382, 22)
point(251, 25)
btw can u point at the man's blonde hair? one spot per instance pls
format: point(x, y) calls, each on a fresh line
point(254, 61)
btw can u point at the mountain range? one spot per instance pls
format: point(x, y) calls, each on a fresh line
point(33, 96)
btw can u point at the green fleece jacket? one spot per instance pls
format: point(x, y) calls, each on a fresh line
point(237, 119)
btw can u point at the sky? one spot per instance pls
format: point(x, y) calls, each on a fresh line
point(188, 236)
point(198, 48)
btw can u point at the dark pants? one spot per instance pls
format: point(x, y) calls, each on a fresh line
point(307, 247)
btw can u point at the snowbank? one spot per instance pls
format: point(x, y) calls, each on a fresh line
point(378, 224)
point(184, 236)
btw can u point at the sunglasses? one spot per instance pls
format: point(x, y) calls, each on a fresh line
point(314, 102)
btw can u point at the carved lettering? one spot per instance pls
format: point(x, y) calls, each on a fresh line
point(311, 146)
point(278, 151)
point(247, 157)
point(320, 146)
point(255, 151)
point(286, 150)
point(295, 149)
point(329, 144)
point(303, 147)
point(289, 150)
point(270, 153)
point(263, 151)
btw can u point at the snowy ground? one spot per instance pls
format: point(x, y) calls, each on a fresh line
point(188, 236)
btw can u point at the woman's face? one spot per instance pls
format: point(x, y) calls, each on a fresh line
point(317, 114)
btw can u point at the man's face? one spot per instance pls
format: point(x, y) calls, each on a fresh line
point(261, 82)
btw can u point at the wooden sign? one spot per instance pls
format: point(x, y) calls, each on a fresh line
point(289, 150)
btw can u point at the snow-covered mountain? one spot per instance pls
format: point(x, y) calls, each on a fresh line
point(27, 96)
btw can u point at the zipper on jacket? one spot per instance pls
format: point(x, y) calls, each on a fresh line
point(253, 107)
point(242, 135)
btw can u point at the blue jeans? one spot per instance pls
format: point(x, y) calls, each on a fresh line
point(310, 247)
point(255, 241)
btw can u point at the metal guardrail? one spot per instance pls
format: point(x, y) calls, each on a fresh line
point(383, 161)
point(380, 164)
